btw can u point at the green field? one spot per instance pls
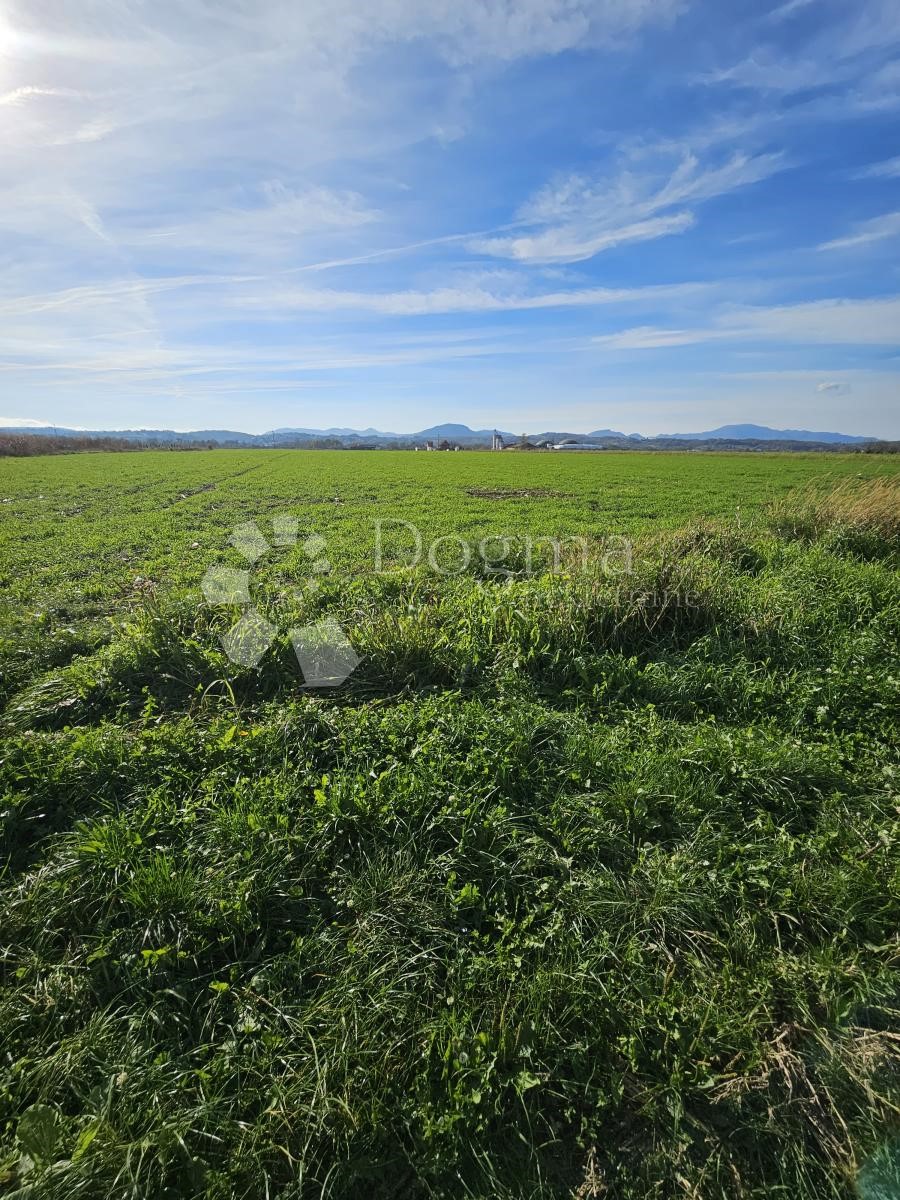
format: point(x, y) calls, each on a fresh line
point(583, 883)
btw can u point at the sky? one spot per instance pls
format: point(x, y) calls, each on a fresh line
point(647, 215)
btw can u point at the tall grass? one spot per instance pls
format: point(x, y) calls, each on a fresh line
point(580, 887)
point(865, 514)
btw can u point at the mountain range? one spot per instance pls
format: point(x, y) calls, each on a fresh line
point(451, 432)
point(764, 434)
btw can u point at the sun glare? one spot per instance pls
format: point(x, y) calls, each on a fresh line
point(9, 38)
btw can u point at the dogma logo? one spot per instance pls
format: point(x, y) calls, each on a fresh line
point(323, 650)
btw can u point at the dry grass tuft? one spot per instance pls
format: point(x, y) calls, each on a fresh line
point(869, 508)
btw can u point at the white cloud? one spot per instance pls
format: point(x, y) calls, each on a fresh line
point(80, 313)
point(838, 322)
point(106, 336)
point(788, 10)
point(765, 71)
point(581, 217)
point(650, 337)
point(875, 230)
point(255, 226)
point(571, 243)
point(197, 367)
point(841, 321)
point(23, 422)
point(844, 54)
point(889, 169)
point(20, 95)
point(172, 176)
point(834, 386)
point(463, 299)
point(197, 131)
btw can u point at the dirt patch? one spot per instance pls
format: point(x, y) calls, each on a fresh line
point(517, 494)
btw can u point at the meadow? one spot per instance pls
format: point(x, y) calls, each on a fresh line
point(583, 883)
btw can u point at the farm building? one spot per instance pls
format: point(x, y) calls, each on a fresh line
point(578, 446)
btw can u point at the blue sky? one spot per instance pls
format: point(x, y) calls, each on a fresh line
point(649, 215)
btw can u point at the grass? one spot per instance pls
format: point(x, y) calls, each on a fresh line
point(583, 885)
point(864, 516)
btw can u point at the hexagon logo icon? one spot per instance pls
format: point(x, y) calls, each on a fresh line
point(324, 652)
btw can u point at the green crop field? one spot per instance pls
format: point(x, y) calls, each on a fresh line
point(450, 825)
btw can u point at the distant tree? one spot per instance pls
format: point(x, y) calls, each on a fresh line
point(24, 445)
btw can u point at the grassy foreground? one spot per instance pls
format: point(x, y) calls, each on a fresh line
point(582, 885)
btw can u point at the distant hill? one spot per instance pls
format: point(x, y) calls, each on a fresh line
point(610, 433)
point(334, 432)
point(138, 435)
point(764, 434)
point(452, 432)
point(562, 435)
point(458, 433)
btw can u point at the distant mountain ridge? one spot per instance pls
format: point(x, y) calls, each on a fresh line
point(763, 433)
point(450, 431)
point(332, 432)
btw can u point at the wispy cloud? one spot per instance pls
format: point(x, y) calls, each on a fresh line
point(651, 337)
point(225, 131)
point(206, 200)
point(845, 55)
point(21, 95)
point(889, 169)
point(837, 321)
point(875, 230)
point(766, 71)
point(217, 296)
point(573, 243)
point(455, 299)
point(834, 386)
point(790, 9)
point(247, 365)
point(583, 216)
point(273, 221)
